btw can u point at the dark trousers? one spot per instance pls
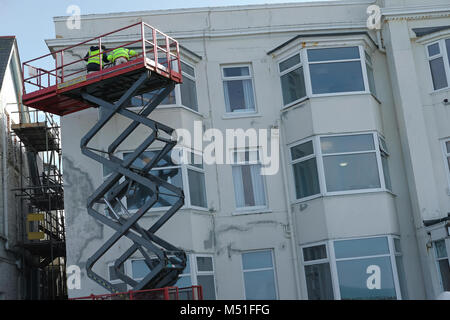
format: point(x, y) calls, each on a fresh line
point(93, 67)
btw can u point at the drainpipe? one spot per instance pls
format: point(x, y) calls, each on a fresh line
point(289, 212)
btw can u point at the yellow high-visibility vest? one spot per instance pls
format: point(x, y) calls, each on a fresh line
point(95, 57)
point(120, 52)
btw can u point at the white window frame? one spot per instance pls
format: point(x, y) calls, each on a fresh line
point(282, 73)
point(250, 76)
point(252, 209)
point(361, 59)
point(333, 262)
point(436, 261)
point(273, 268)
point(319, 261)
point(178, 99)
point(321, 171)
point(446, 157)
point(445, 56)
point(293, 162)
point(184, 177)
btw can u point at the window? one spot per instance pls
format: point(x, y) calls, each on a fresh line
point(292, 80)
point(317, 272)
point(334, 70)
point(350, 162)
point(438, 54)
point(400, 268)
point(201, 274)
point(442, 263)
point(305, 170)
point(446, 149)
point(364, 269)
point(187, 88)
point(249, 189)
point(238, 89)
point(369, 69)
point(114, 279)
point(187, 91)
point(259, 275)
point(193, 184)
point(384, 161)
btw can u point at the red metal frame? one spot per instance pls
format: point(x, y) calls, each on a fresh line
point(167, 293)
point(46, 84)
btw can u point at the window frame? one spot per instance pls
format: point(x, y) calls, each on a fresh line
point(184, 179)
point(446, 160)
point(331, 259)
point(178, 98)
point(253, 209)
point(319, 261)
point(282, 73)
point(437, 259)
point(249, 77)
point(445, 56)
point(275, 278)
point(321, 170)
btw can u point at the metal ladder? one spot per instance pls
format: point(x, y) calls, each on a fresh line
point(164, 260)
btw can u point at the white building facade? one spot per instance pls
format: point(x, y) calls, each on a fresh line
point(359, 206)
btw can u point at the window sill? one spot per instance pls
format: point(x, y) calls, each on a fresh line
point(171, 106)
point(342, 193)
point(294, 104)
point(236, 115)
point(247, 211)
point(439, 91)
point(162, 209)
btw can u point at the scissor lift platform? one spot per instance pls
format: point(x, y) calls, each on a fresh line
point(58, 90)
point(68, 88)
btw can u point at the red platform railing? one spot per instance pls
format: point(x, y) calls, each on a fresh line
point(167, 293)
point(154, 49)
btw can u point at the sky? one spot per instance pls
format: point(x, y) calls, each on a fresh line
point(31, 21)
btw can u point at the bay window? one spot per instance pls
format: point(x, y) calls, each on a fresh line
point(317, 272)
point(345, 163)
point(334, 70)
point(442, 264)
point(438, 54)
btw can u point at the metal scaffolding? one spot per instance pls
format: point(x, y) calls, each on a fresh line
point(41, 192)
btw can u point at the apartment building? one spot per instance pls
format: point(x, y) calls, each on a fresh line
point(359, 206)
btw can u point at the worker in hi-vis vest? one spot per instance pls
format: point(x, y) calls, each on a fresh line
point(120, 55)
point(92, 58)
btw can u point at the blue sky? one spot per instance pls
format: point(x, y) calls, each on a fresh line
point(31, 20)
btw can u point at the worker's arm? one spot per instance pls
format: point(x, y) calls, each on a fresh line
point(132, 53)
point(110, 56)
point(105, 58)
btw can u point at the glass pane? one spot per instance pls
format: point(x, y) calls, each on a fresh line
point(184, 282)
point(360, 279)
point(147, 156)
point(302, 150)
point(288, 63)
point(249, 187)
point(361, 247)
point(204, 264)
point(447, 145)
point(441, 251)
point(433, 49)
point(351, 172)
point(397, 245)
point(306, 178)
point(318, 282)
point(257, 260)
point(387, 175)
point(189, 94)
point(401, 277)
point(260, 285)
point(336, 77)
point(187, 69)
point(139, 269)
point(207, 283)
point(353, 143)
point(239, 95)
point(447, 45)
point(293, 86)
point(315, 253)
point(197, 188)
point(444, 270)
point(371, 80)
point(149, 96)
point(438, 73)
point(112, 273)
point(333, 54)
point(236, 71)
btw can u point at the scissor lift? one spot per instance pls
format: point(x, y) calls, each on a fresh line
point(67, 88)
